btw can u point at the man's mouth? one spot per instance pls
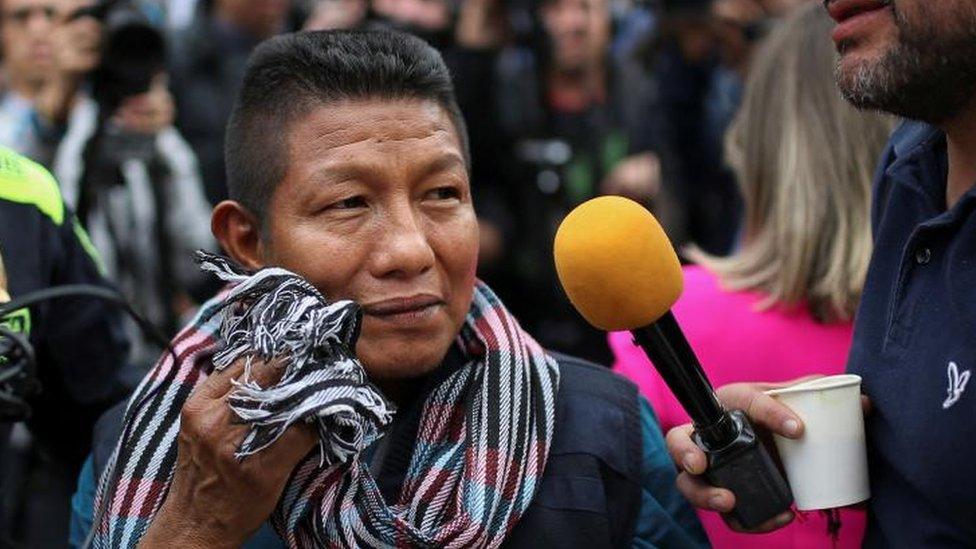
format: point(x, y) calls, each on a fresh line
point(842, 10)
point(403, 307)
point(857, 18)
point(41, 51)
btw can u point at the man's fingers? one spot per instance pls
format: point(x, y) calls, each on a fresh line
point(265, 374)
point(685, 453)
point(866, 405)
point(296, 442)
point(219, 383)
point(775, 416)
point(703, 495)
point(762, 409)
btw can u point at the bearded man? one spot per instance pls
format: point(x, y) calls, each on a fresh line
point(915, 333)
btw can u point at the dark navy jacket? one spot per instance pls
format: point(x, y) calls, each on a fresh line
point(915, 346)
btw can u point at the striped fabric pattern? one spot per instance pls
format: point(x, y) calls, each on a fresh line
point(275, 313)
point(482, 446)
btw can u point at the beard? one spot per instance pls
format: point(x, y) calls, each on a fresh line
point(929, 75)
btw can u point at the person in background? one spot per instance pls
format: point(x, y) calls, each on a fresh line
point(738, 26)
point(574, 120)
point(125, 170)
point(781, 307)
point(336, 14)
point(701, 60)
point(33, 110)
point(431, 20)
point(207, 66)
point(913, 343)
point(780, 8)
point(79, 345)
point(680, 55)
point(28, 54)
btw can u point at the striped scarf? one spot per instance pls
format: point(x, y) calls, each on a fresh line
point(481, 446)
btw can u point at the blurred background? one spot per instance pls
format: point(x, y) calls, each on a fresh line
point(126, 102)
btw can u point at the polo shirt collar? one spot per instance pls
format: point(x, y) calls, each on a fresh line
point(913, 136)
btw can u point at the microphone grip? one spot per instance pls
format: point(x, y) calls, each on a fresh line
point(745, 468)
point(737, 460)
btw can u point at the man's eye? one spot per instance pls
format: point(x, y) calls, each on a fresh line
point(348, 203)
point(444, 193)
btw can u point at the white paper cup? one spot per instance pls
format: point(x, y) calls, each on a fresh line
point(827, 467)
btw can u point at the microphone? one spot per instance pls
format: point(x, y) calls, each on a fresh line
point(619, 270)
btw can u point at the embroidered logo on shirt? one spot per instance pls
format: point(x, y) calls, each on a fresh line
point(19, 320)
point(957, 384)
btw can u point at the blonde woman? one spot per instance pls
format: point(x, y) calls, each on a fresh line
point(781, 306)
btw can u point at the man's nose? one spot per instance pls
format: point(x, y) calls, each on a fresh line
point(40, 19)
point(403, 248)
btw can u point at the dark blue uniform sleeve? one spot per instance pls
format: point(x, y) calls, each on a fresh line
point(80, 344)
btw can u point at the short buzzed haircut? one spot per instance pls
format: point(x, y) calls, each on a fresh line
point(289, 75)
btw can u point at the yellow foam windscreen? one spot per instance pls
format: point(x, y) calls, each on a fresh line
point(616, 264)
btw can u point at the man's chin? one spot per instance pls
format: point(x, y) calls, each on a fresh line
point(401, 363)
point(860, 76)
point(853, 55)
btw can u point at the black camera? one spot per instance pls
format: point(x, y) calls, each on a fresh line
point(133, 53)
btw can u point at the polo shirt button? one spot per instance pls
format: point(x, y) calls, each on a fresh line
point(923, 255)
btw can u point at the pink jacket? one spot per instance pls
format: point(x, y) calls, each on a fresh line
point(735, 342)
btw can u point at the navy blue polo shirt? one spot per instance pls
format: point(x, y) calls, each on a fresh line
point(915, 346)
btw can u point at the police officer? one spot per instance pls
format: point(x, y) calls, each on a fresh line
point(79, 343)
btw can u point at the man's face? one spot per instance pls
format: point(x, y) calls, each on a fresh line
point(914, 58)
point(730, 19)
point(26, 30)
point(376, 207)
point(578, 31)
point(77, 41)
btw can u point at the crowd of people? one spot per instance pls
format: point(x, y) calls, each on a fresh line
point(563, 101)
point(720, 116)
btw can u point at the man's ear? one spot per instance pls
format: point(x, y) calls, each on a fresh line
point(239, 234)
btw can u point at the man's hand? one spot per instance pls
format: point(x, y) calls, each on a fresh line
point(491, 246)
point(765, 412)
point(149, 112)
point(637, 177)
point(214, 499)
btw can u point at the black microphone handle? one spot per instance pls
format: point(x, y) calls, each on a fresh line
point(672, 356)
point(737, 459)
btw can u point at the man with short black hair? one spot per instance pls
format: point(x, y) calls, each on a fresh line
point(347, 165)
point(915, 332)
